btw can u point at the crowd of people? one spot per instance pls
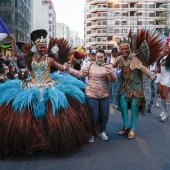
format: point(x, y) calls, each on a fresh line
point(59, 112)
point(12, 68)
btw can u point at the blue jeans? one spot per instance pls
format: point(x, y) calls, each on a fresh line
point(101, 106)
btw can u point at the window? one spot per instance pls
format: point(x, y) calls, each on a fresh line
point(124, 22)
point(152, 14)
point(139, 22)
point(116, 6)
point(5, 2)
point(110, 22)
point(124, 5)
point(133, 22)
point(151, 22)
point(124, 31)
point(111, 14)
point(139, 5)
point(152, 6)
point(125, 14)
point(110, 30)
point(139, 14)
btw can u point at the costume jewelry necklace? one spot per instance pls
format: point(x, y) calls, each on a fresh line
point(40, 57)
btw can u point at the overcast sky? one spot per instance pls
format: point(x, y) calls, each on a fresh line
point(71, 13)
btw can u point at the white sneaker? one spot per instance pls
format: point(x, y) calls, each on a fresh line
point(157, 104)
point(103, 135)
point(91, 139)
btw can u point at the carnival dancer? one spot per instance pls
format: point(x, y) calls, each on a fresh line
point(99, 74)
point(164, 80)
point(44, 112)
point(135, 86)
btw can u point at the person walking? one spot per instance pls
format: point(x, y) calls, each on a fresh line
point(164, 81)
point(131, 90)
point(99, 74)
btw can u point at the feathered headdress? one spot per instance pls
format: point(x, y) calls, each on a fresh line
point(148, 44)
point(124, 40)
point(64, 49)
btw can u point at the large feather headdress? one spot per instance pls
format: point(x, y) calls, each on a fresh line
point(148, 44)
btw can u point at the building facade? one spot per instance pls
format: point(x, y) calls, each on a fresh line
point(107, 20)
point(17, 16)
point(63, 31)
point(52, 19)
point(44, 17)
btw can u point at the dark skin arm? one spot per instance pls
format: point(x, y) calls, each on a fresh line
point(14, 47)
point(57, 65)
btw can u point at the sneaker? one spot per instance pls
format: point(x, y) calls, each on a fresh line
point(157, 104)
point(103, 135)
point(91, 139)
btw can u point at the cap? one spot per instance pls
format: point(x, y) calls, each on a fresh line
point(114, 50)
point(93, 52)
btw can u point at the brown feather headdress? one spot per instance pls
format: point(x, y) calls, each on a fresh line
point(64, 49)
point(148, 43)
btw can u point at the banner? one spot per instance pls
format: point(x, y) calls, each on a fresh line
point(4, 31)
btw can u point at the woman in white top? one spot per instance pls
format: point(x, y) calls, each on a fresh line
point(164, 80)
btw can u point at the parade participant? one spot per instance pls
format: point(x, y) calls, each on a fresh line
point(44, 112)
point(91, 58)
point(131, 93)
point(164, 80)
point(111, 59)
point(99, 74)
point(77, 57)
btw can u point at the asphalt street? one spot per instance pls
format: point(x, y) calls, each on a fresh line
point(149, 150)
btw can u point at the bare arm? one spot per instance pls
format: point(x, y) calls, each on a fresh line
point(57, 65)
point(136, 63)
point(14, 47)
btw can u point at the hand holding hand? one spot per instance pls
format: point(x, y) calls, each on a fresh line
point(109, 68)
point(153, 76)
point(66, 67)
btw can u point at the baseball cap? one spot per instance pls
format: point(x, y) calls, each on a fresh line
point(114, 50)
point(93, 52)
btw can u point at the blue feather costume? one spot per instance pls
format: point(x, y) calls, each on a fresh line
point(48, 112)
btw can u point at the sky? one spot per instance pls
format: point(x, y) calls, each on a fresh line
point(71, 13)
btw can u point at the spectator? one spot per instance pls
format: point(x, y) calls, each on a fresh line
point(111, 59)
point(2, 61)
point(3, 74)
point(11, 74)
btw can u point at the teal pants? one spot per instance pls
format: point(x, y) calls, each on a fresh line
point(124, 112)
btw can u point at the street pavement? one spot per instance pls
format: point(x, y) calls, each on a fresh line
point(149, 150)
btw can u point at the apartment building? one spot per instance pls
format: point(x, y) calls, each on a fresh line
point(44, 17)
point(63, 31)
point(108, 20)
point(17, 16)
point(52, 19)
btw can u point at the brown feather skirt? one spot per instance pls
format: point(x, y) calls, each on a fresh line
point(22, 134)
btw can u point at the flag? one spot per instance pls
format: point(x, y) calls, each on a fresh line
point(4, 31)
